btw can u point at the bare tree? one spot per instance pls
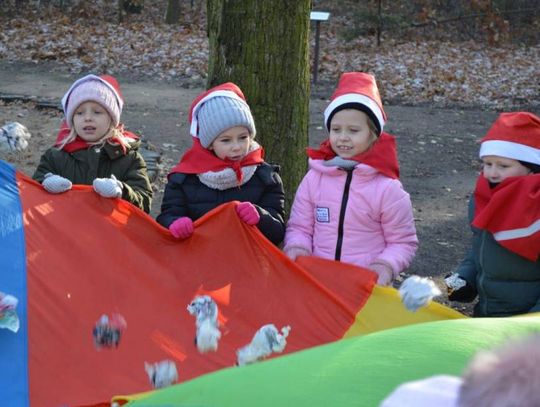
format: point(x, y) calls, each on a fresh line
point(263, 46)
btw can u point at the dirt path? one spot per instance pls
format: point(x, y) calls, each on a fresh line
point(437, 147)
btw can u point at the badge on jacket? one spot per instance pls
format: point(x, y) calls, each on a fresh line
point(323, 214)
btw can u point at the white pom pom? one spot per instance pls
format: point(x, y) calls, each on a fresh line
point(205, 311)
point(266, 341)
point(161, 374)
point(14, 137)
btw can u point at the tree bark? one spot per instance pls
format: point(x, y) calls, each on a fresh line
point(263, 47)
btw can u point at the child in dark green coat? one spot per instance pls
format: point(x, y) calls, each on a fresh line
point(93, 148)
point(502, 267)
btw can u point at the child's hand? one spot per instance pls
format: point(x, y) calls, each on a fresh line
point(55, 184)
point(248, 213)
point(457, 288)
point(416, 292)
point(293, 252)
point(182, 228)
point(384, 271)
point(108, 187)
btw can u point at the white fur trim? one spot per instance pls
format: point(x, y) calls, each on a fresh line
point(194, 120)
point(355, 98)
point(509, 149)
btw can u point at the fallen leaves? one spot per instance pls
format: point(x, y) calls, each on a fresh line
point(423, 71)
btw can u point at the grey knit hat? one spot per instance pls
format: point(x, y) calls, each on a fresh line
point(221, 113)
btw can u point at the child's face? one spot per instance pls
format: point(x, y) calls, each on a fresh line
point(233, 143)
point(91, 121)
point(496, 169)
point(350, 134)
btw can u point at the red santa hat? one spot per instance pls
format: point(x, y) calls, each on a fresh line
point(103, 89)
point(218, 109)
point(357, 90)
point(514, 135)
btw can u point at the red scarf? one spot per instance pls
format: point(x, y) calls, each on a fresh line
point(198, 160)
point(511, 211)
point(80, 144)
point(382, 155)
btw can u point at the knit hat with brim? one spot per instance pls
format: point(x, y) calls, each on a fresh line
point(218, 110)
point(103, 90)
point(513, 135)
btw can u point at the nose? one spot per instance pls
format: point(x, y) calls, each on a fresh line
point(343, 135)
point(492, 173)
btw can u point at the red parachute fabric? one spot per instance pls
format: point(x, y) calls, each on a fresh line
point(88, 256)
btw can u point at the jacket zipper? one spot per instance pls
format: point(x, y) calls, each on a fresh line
point(344, 200)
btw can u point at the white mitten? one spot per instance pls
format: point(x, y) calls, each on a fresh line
point(265, 341)
point(294, 252)
point(55, 184)
point(454, 282)
point(417, 292)
point(161, 374)
point(108, 187)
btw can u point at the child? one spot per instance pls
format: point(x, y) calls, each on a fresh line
point(93, 148)
point(502, 266)
point(224, 164)
point(351, 206)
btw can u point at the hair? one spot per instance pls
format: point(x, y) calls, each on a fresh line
point(535, 168)
point(507, 376)
point(114, 132)
point(374, 131)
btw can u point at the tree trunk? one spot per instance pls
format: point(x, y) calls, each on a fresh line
point(173, 12)
point(263, 47)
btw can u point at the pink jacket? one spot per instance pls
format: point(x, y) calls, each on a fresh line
point(378, 221)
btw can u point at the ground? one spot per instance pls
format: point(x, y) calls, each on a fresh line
point(437, 147)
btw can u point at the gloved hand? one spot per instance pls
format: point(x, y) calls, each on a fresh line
point(248, 213)
point(458, 289)
point(182, 228)
point(416, 292)
point(294, 252)
point(108, 187)
point(55, 184)
point(386, 276)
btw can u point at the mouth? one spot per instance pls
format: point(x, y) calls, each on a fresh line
point(89, 128)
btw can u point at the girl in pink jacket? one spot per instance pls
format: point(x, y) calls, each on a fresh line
point(351, 206)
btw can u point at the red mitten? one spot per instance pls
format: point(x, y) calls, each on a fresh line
point(182, 228)
point(248, 213)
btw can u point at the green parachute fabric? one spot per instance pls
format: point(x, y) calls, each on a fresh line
point(360, 371)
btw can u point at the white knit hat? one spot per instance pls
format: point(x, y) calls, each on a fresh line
point(222, 113)
point(239, 111)
point(92, 88)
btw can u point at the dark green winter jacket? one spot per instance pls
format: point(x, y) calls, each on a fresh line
point(506, 283)
point(83, 166)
